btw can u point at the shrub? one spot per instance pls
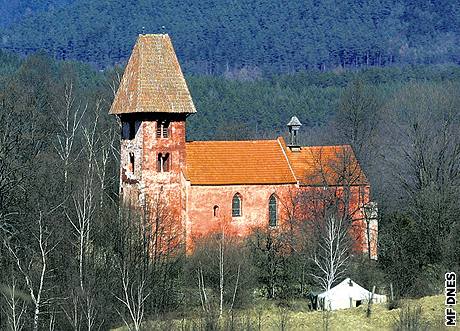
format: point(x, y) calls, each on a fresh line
point(410, 318)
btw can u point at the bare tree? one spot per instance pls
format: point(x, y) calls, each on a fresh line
point(27, 265)
point(135, 293)
point(68, 129)
point(332, 252)
point(81, 218)
point(84, 209)
point(148, 244)
point(420, 151)
point(219, 270)
point(333, 213)
point(16, 306)
point(357, 117)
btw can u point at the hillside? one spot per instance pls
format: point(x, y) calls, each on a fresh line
point(218, 36)
point(14, 10)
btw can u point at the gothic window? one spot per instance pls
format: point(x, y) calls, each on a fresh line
point(272, 211)
point(162, 129)
point(215, 211)
point(163, 162)
point(236, 205)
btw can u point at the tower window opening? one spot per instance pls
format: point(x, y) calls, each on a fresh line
point(162, 129)
point(128, 130)
point(236, 205)
point(158, 132)
point(131, 162)
point(165, 127)
point(216, 211)
point(132, 130)
point(163, 162)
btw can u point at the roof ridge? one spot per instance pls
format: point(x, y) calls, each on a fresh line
point(319, 146)
point(287, 159)
point(231, 141)
point(139, 43)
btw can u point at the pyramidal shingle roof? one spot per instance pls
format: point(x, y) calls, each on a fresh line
point(153, 81)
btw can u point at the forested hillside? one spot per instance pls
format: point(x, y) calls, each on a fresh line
point(224, 36)
point(15, 10)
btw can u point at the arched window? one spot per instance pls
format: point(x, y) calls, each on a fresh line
point(163, 162)
point(272, 211)
point(216, 211)
point(236, 205)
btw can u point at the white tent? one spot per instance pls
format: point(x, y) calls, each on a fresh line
point(347, 294)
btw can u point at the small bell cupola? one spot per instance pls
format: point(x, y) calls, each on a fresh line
point(294, 126)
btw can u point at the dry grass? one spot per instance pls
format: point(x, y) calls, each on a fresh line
point(297, 317)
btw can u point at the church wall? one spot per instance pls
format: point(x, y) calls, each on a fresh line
point(201, 200)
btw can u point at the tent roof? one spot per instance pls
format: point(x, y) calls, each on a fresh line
point(344, 289)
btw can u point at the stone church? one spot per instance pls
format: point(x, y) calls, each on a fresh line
point(244, 184)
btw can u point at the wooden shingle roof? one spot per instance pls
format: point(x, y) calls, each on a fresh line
point(153, 81)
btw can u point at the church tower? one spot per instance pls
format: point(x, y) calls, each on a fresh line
point(152, 103)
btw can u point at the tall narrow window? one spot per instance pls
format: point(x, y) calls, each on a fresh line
point(158, 132)
point(236, 205)
point(163, 162)
point(166, 162)
point(131, 162)
point(272, 211)
point(216, 211)
point(165, 128)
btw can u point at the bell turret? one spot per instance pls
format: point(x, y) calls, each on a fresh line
point(294, 126)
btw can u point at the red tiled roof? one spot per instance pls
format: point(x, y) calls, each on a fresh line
point(326, 165)
point(153, 81)
point(270, 162)
point(237, 162)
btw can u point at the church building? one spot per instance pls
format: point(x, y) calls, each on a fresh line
point(204, 184)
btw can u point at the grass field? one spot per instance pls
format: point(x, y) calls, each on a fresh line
point(268, 315)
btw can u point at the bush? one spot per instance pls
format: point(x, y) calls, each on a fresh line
point(410, 318)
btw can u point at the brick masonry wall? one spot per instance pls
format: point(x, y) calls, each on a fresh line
point(201, 222)
point(147, 186)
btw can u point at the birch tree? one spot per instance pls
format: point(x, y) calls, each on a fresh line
point(16, 305)
point(332, 252)
point(33, 267)
point(68, 129)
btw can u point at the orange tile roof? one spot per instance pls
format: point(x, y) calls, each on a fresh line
point(237, 162)
point(270, 162)
point(326, 165)
point(153, 80)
